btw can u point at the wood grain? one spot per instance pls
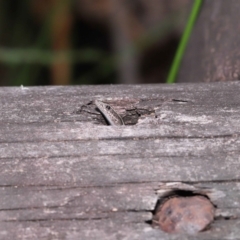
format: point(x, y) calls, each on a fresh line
point(67, 175)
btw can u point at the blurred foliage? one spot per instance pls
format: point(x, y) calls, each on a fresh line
point(26, 53)
point(17, 33)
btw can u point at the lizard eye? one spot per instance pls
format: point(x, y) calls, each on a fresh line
point(108, 107)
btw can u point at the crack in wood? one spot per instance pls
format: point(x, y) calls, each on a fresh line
point(130, 110)
point(55, 219)
point(130, 113)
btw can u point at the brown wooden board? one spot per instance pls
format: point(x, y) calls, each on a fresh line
point(65, 174)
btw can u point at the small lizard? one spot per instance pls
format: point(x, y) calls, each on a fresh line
point(109, 113)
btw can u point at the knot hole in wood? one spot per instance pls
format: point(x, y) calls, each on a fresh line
point(183, 211)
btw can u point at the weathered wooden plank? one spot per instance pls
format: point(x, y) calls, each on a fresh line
point(66, 175)
point(98, 200)
point(80, 212)
point(105, 229)
point(92, 170)
point(54, 104)
point(185, 127)
point(117, 227)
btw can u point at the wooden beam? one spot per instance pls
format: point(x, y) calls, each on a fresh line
point(65, 174)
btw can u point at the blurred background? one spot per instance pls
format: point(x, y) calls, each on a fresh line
point(63, 42)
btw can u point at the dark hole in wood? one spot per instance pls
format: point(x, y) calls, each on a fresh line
point(226, 217)
point(183, 211)
point(108, 107)
point(130, 116)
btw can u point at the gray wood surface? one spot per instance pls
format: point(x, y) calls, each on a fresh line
point(65, 174)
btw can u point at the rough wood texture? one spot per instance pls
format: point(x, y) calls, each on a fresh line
point(213, 51)
point(66, 175)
